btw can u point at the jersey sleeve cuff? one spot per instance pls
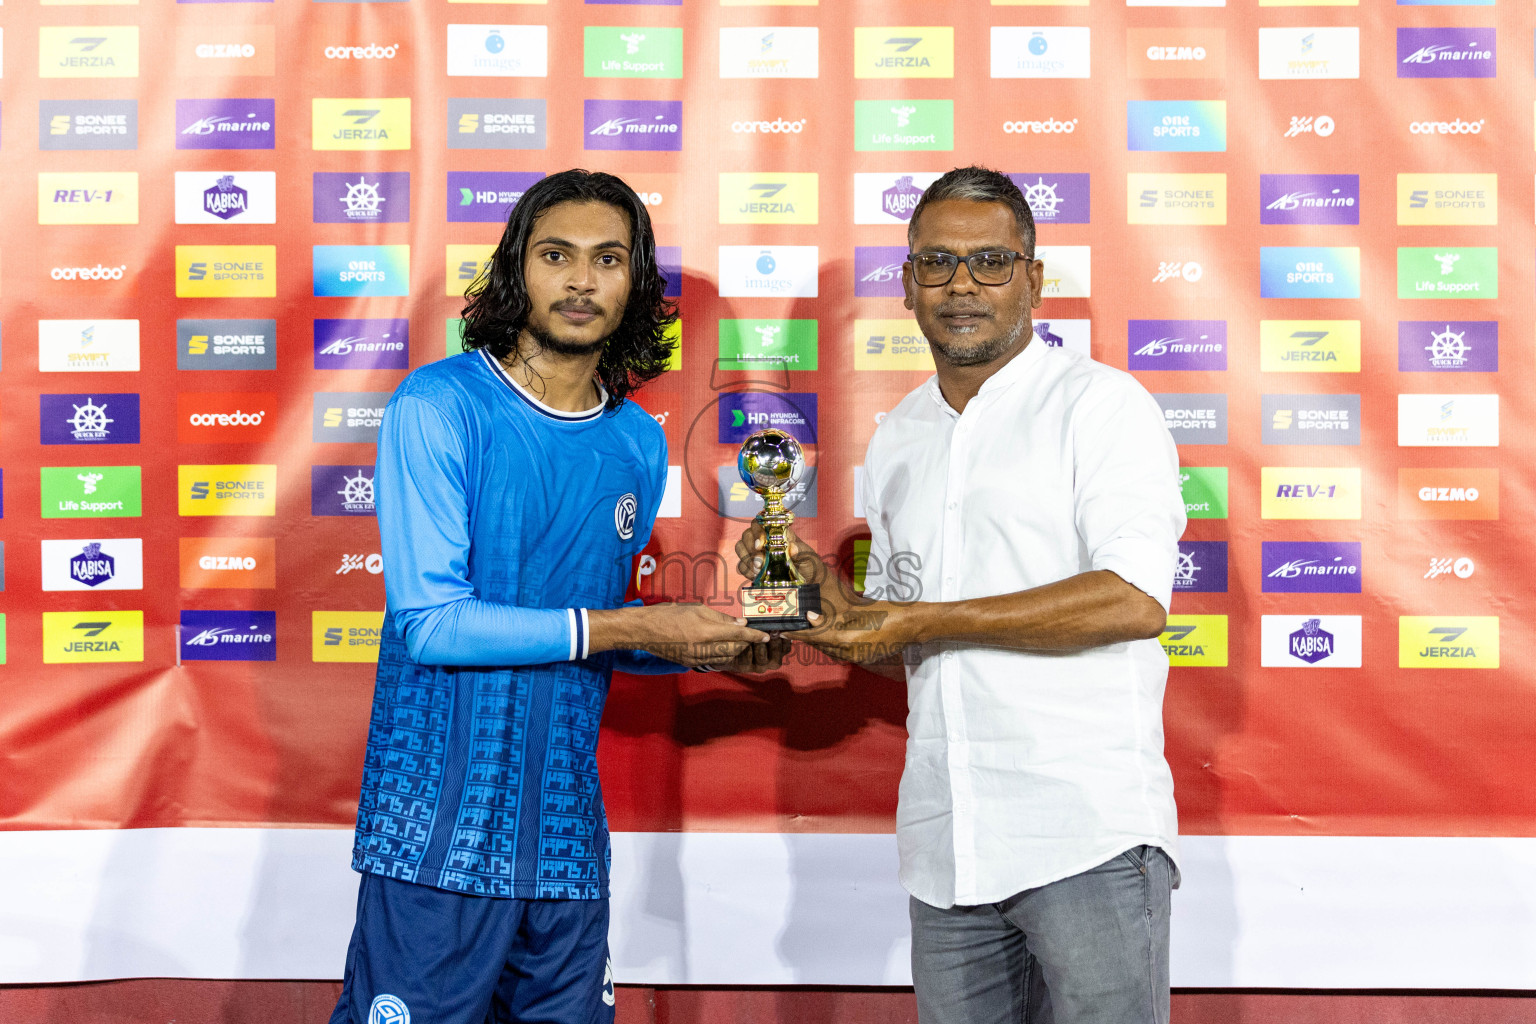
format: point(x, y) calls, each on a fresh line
point(581, 633)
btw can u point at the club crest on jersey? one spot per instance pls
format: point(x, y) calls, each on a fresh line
point(624, 516)
point(388, 1009)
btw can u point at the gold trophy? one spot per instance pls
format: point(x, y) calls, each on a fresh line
point(778, 598)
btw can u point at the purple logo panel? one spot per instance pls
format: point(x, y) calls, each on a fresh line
point(364, 197)
point(89, 419)
point(1177, 344)
point(1448, 345)
point(877, 271)
point(228, 636)
point(341, 491)
point(362, 344)
point(1309, 199)
point(1447, 53)
point(746, 412)
point(633, 124)
point(1055, 198)
point(486, 197)
point(225, 124)
point(1202, 567)
point(1305, 567)
point(669, 258)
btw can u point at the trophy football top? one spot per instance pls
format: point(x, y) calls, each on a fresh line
point(770, 461)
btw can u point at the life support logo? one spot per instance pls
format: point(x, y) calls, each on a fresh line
point(387, 1009)
point(624, 516)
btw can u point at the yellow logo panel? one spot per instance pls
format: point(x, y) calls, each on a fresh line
point(361, 123)
point(768, 198)
point(890, 345)
point(1448, 641)
point(92, 636)
point(1296, 492)
point(1176, 199)
point(88, 51)
point(345, 636)
point(1309, 346)
point(674, 335)
point(228, 490)
point(226, 271)
point(88, 197)
point(1447, 199)
point(1195, 641)
point(464, 265)
point(905, 51)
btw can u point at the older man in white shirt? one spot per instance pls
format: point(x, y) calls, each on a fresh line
point(1038, 492)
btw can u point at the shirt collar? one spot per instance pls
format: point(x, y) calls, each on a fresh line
point(1016, 369)
point(552, 413)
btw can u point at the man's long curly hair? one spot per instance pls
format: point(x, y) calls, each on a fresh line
point(638, 350)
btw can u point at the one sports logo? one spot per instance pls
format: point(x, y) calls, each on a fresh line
point(387, 1009)
point(624, 516)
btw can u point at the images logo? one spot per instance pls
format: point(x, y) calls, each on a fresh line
point(1448, 346)
point(1311, 346)
point(1448, 641)
point(91, 492)
point(1202, 567)
point(1447, 272)
point(639, 52)
point(361, 123)
point(88, 51)
point(87, 197)
point(226, 344)
point(1055, 198)
point(1309, 272)
point(341, 491)
point(226, 124)
point(226, 271)
point(1309, 53)
point(1176, 199)
point(1438, 421)
point(89, 419)
point(1306, 567)
point(1195, 419)
point(348, 416)
point(362, 197)
point(225, 417)
point(362, 344)
point(633, 124)
point(1295, 492)
point(1205, 491)
point(496, 123)
point(1177, 344)
point(226, 490)
point(88, 124)
point(1447, 53)
point(774, 344)
point(1176, 52)
point(362, 270)
point(1311, 419)
point(890, 345)
point(904, 52)
point(94, 636)
point(1315, 641)
point(1448, 493)
point(885, 198)
point(90, 564)
point(1195, 641)
point(784, 198)
point(1176, 126)
point(744, 412)
point(877, 271)
point(1448, 199)
point(346, 636)
point(757, 270)
point(226, 197)
point(1039, 52)
point(228, 563)
point(228, 636)
point(486, 197)
point(88, 346)
point(776, 52)
point(501, 51)
point(1309, 199)
point(887, 125)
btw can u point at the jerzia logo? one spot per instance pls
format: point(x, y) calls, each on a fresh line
point(790, 198)
point(361, 123)
point(1448, 641)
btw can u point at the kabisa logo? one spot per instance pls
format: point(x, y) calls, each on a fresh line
point(1177, 344)
point(1447, 53)
point(373, 51)
point(1306, 492)
point(1195, 418)
point(226, 124)
point(1050, 126)
point(382, 344)
point(877, 271)
point(91, 492)
point(1176, 126)
point(1448, 641)
point(884, 126)
point(788, 198)
point(486, 197)
point(1311, 419)
point(88, 124)
point(632, 52)
point(745, 412)
point(226, 490)
point(94, 636)
point(1462, 567)
point(351, 416)
point(91, 567)
point(1195, 641)
point(88, 51)
point(1311, 346)
point(89, 419)
point(1309, 272)
point(785, 270)
point(1055, 198)
point(226, 344)
point(1447, 272)
point(355, 637)
point(633, 124)
point(1176, 199)
point(1310, 641)
point(228, 563)
point(778, 52)
point(1307, 567)
point(361, 197)
point(904, 51)
point(499, 51)
point(1449, 346)
point(1309, 199)
point(228, 636)
point(361, 270)
point(87, 197)
point(1320, 125)
point(1043, 52)
point(341, 491)
point(226, 197)
point(1201, 568)
point(900, 200)
point(88, 346)
point(890, 345)
point(372, 123)
point(496, 123)
point(1459, 493)
point(1309, 53)
point(90, 564)
point(1448, 199)
point(1456, 127)
point(1072, 334)
point(224, 417)
point(226, 271)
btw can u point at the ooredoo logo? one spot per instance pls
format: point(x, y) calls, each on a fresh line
point(216, 417)
point(1050, 126)
point(778, 126)
point(96, 273)
point(373, 51)
point(1456, 127)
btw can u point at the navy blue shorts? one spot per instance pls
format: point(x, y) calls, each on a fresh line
point(421, 955)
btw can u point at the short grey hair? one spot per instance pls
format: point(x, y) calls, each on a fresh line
point(979, 185)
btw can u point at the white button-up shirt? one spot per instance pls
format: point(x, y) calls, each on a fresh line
point(1025, 768)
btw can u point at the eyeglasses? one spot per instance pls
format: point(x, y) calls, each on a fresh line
point(931, 269)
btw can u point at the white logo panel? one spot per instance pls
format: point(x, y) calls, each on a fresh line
point(1039, 51)
point(226, 197)
point(889, 198)
point(498, 51)
point(93, 564)
point(88, 346)
point(1068, 271)
point(1310, 641)
point(769, 52)
point(1448, 421)
point(1309, 53)
point(760, 270)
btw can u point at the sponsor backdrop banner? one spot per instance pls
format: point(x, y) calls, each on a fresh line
point(1307, 229)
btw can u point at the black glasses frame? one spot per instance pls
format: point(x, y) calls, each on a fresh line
point(955, 261)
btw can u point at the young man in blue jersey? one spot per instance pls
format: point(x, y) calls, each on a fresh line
point(515, 486)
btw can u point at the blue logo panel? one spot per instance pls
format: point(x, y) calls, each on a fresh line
point(362, 270)
point(1176, 126)
point(1309, 272)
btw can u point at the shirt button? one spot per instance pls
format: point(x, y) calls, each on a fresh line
point(954, 505)
point(949, 655)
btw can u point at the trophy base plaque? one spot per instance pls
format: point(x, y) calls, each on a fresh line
point(779, 609)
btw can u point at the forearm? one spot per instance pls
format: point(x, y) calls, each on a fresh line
point(471, 632)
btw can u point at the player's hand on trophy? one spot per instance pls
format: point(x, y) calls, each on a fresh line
point(693, 635)
point(757, 659)
point(749, 554)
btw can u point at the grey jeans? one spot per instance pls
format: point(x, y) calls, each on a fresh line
point(1089, 949)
